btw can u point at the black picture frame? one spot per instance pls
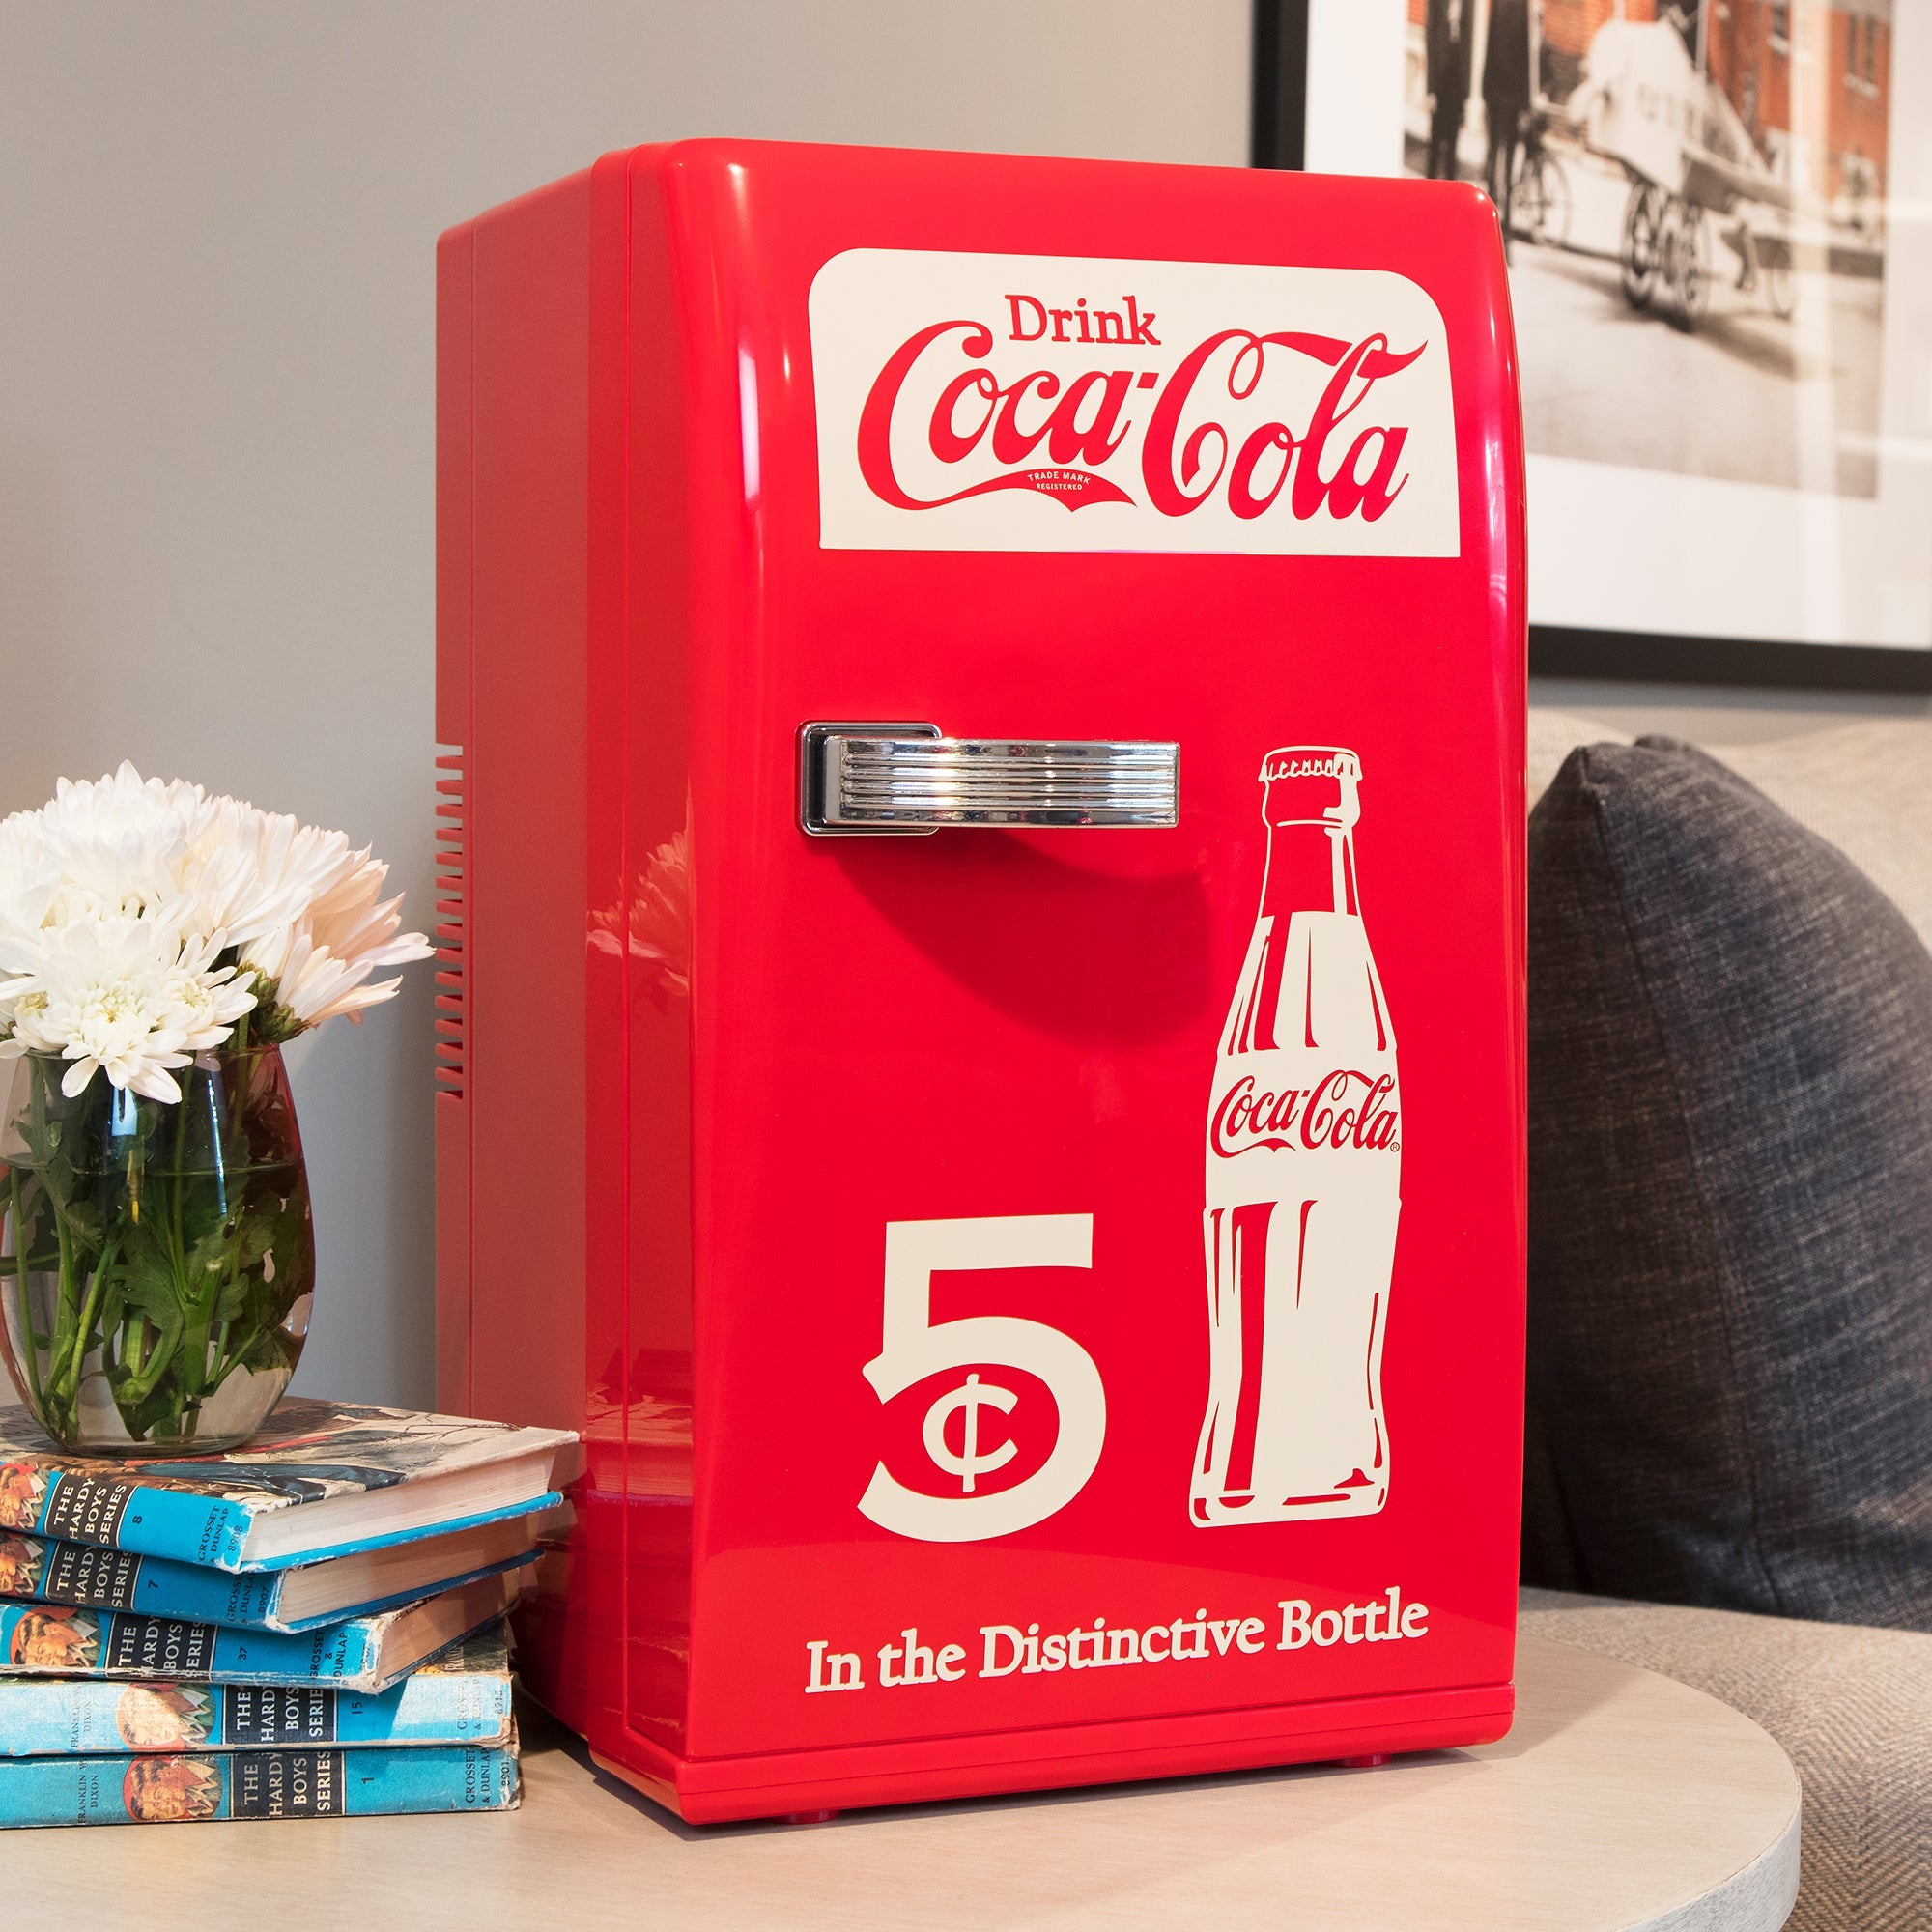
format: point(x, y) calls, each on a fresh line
point(1278, 118)
point(1277, 137)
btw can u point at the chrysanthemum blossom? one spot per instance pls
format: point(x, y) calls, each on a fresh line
point(118, 843)
point(128, 997)
point(209, 998)
point(201, 905)
point(320, 967)
point(255, 874)
point(30, 881)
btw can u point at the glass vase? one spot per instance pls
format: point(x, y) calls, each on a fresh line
point(157, 1260)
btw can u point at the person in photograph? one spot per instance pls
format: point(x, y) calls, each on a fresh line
point(21, 1562)
point(164, 1717)
point(1683, 15)
point(1507, 89)
point(1861, 191)
point(171, 1790)
point(1446, 35)
point(22, 1488)
point(55, 1641)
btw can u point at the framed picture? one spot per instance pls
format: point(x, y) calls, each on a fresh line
point(1719, 219)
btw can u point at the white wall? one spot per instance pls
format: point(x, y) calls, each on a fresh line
point(215, 401)
point(1714, 715)
point(216, 225)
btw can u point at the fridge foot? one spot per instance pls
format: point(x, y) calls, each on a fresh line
point(1367, 1763)
point(809, 1817)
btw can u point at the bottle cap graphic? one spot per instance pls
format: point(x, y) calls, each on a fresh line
point(1312, 784)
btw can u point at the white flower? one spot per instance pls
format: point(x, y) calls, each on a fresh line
point(208, 998)
point(360, 926)
point(118, 843)
point(320, 967)
point(30, 881)
point(255, 874)
point(177, 881)
point(127, 996)
point(29, 884)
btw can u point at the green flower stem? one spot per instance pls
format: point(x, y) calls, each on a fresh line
point(151, 1371)
point(147, 1368)
point(70, 1382)
point(33, 1350)
point(69, 1307)
point(184, 1293)
point(222, 1365)
point(148, 1264)
point(181, 1156)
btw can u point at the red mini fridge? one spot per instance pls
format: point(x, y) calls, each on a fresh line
point(981, 1005)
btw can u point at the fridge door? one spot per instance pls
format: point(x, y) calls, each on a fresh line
point(988, 1238)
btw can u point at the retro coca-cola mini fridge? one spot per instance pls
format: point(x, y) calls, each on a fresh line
point(981, 1005)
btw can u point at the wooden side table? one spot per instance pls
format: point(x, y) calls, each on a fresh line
point(1620, 1800)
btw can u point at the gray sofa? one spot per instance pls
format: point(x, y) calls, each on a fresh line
point(1852, 1706)
point(1853, 1709)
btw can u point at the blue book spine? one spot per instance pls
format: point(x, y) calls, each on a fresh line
point(55, 1640)
point(91, 1578)
point(211, 1533)
point(83, 1716)
point(178, 1789)
point(113, 1512)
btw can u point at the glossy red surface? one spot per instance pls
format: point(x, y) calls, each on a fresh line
point(788, 1044)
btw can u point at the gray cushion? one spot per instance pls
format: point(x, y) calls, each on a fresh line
point(1853, 1709)
point(1868, 787)
point(1730, 1202)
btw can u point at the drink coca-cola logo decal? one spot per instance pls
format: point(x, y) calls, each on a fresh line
point(1340, 1109)
point(1049, 403)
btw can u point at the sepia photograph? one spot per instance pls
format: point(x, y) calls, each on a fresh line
point(1718, 223)
point(1693, 195)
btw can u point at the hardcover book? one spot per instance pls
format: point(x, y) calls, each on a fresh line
point(459, 1697)
point(188, 1788)
point(364, 1654)
point(322, 1479)
point(360, 1584)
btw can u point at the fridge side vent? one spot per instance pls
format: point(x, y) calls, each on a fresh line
point(452, 892)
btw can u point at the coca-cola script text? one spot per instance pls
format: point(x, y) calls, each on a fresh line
point(1341, 1109)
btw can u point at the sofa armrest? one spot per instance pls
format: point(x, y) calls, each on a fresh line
point(1851, 1706)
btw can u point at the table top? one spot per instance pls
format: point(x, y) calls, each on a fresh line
point(1621, 1799)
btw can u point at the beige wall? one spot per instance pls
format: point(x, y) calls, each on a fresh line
point(216, 395)
point(1712, 715)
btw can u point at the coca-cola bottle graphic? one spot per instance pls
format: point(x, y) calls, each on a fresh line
point(1304, 1156)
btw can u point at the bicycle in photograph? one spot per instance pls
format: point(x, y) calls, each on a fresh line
point(1540, 201)
point(1666, 251)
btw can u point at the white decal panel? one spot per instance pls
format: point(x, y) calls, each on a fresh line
point(1065, 403)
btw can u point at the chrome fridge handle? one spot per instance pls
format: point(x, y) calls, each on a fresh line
point(906, 779)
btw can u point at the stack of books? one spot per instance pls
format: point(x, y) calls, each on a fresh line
point(308, 1627)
